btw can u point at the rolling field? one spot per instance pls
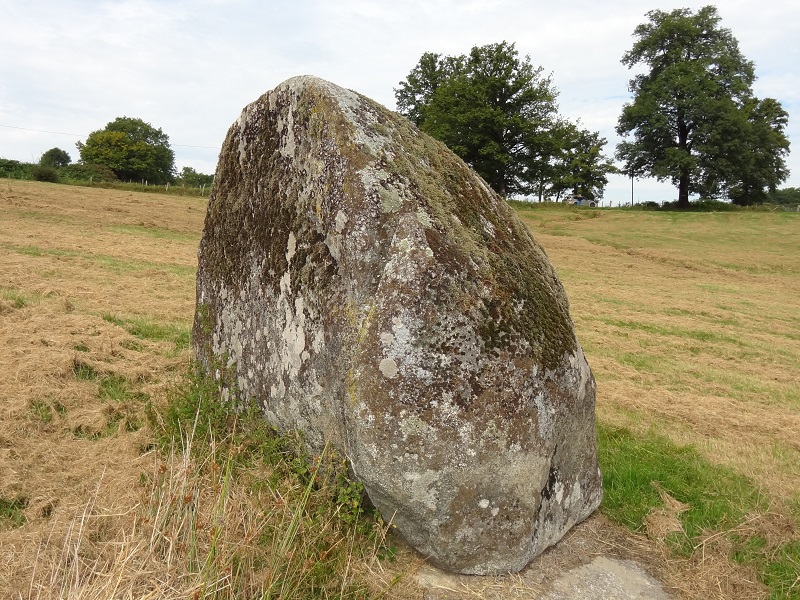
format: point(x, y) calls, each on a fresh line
point(691, 323)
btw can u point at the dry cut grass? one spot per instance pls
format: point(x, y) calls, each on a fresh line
point(690, 322)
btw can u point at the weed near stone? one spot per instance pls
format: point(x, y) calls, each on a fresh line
point(303, 521)
point(146, 329)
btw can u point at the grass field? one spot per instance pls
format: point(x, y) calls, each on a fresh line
point(691, 323)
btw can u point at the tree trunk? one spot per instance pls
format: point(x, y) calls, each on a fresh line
point(683, 189)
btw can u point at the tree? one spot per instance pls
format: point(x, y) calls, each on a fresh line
point(189, 177)
point(789, 196)
point(580, 166)
point(693, 119)
point(133, 149)
point(762, 166)
point(55, 158)
point(491, 108)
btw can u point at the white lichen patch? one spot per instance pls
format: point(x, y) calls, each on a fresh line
point(488, 227)
point(423, 487)
point(291, 247)
point(340, 221)
point(388, 367)
point(424, 218)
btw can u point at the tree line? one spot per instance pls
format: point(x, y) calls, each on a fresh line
point(693, 120)
point(126, 150)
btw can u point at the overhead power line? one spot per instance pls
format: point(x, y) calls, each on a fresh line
point(41, 130)
point(80, 136)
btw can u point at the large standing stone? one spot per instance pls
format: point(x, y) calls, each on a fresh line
point(369, 289)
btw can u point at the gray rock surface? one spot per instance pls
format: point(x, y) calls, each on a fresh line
point(367, 288)
point(606, 578)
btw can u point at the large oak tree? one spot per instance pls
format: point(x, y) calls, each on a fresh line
point(693, 119)
point(133, 149)
point(497, 112)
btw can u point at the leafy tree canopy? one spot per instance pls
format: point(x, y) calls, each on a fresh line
point(133, 149)
point(497, 112)
point(55, 158)
point(789, 196)
point(693, 119)
point(580, 166)
point(189, 177)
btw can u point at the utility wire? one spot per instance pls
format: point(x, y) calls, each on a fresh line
point(80, 136)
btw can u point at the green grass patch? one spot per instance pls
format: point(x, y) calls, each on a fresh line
point(681, 332)
point(18, 299)
point(45, 410)
point(116, 388)
point(779, 566)
point(177, 333)
point(83, 371)
point(160, 233)
point(132, 345)
point(11, 515)
point(642, 362)
point(112, 263)
point(718, 499)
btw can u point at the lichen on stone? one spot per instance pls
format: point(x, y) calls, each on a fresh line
point(368, 289)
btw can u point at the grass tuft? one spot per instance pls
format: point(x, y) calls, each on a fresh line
point(304, 524)
point(179, 334)
point(11, 515)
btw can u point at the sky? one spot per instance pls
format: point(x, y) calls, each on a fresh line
point(190, 67)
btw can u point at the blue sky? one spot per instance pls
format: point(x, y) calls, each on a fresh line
point(189, 67)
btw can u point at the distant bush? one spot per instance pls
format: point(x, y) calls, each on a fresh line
point(89, 173)
point(789, 196)
point(191, 178)
point(703, 205)
point(56, 158)
point(15, 169)
point(40, 173)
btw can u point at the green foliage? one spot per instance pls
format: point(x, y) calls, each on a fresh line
point(760, 165)
point(191, 178)
point(788, 196)
point(637, 469)
point(11, 515)
point(693, 119)
point(55, 158)
point(580, 166)
point(702, 205)
point(48, 174)
point(88, 173)
point(15, 169)
point(499, 114)
point(133, 149)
